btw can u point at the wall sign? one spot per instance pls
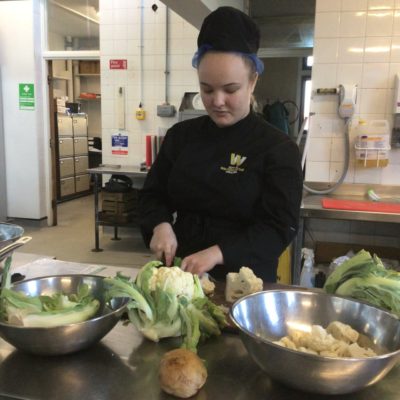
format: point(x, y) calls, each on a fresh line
point(118, 64)
point(26, 96)
point(119, 145)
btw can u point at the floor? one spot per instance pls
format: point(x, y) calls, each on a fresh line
point(73, 238)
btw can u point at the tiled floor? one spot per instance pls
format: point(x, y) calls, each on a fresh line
point(73, 238)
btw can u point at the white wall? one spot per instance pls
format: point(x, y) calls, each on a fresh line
point(356, 41)
point(24, 137)
point(120, 39)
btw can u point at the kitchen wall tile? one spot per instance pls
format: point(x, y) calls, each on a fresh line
point(133, 16)
point(397, 4)
point(396, 23)
point(120, 48)
point(357, 5)
point(317, 171)
point(349, 73)
point(133, 31)
point(105, 5)
point(106, 16)
point(350, 176)
point(337, 150)
point(372, 101)
point(336, 171)
point(321, 126)
point(121, 32)
point(377, 49)
point(327, 25)
point(328, 5)
point(324, 76)
point(375, 75)
point(121, 3)
point(395, 49)
point(107, 47)
point(380, 4)
point(389, 103)
point(319, 149)
point(351, 50)
point(106, 32)
point(391, 175)
point(133, 47)
point(353, 24)
point(368, 175)
point(379, 23)
point(338, 127)
point(325, 50)
point(394, 69)
point(326, 104)
point(120, 17)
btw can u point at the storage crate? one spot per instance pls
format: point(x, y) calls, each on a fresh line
point(112, 218)
point(89, 67)
point(125, 196)
point(118, 207)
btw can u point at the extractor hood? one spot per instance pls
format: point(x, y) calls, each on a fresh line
point(287, 26)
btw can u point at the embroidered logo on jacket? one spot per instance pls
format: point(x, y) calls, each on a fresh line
point(236, 162)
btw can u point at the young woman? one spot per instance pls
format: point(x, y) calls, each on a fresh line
point(225, 189)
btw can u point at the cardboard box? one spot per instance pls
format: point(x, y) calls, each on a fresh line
point(89, 67)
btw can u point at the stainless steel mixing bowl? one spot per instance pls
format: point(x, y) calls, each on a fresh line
point(67, 338)
point(9, 233)
point(265, 317)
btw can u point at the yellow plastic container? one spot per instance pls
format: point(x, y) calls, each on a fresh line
point(284, 272)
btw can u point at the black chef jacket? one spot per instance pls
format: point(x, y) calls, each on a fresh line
point(239, 187)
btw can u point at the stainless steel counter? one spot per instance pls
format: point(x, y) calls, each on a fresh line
point(311, 207)
point(124, 367)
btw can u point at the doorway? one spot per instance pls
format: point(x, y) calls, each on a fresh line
point(75, 127)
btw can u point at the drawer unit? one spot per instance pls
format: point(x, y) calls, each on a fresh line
point(82, 182)
point(67, 186)
point(79, 123)
point(64, 123)
point(81, 164)
point(80, 145)
point(66, 167)
point(65, 147)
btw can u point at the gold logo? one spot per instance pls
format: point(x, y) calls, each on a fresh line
point(236, 162)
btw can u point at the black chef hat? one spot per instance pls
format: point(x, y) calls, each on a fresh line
point(228, 29)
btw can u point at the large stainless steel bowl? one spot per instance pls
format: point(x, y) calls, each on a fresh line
point(9, 233)
point(266, 316)
point(67, 338)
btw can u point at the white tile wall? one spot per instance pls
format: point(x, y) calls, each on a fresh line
point(121, 39)
point(358, 42)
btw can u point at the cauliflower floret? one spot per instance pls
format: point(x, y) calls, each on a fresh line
point(343, 332)
point(207, 285)
point(355, 351)
point(173, 279)
point(286, 342)
point(319, 340)
point(242, 283)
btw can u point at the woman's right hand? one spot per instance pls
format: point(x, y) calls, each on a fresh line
point(164, 242)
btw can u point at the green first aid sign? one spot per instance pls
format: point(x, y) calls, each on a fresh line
point(26, 96)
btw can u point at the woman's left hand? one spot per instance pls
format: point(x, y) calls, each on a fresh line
point(203, 261)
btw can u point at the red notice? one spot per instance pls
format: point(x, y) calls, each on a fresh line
point(118, 64)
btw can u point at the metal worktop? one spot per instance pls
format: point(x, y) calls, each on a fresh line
point(124, 365)
point(311, 207)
